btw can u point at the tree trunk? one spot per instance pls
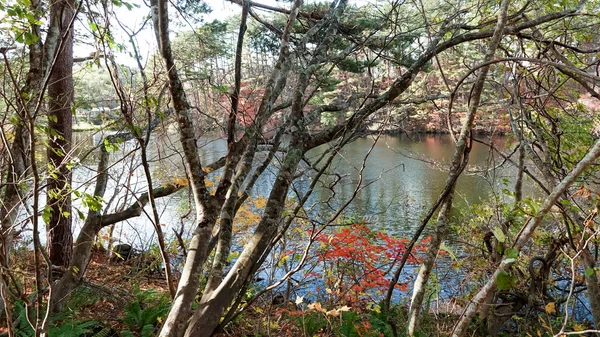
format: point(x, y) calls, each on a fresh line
point(545, 165)
point(226, 222)
point(212, 305)
point(460, 329)
point(60, 96)
point(206, 207)
point(459, 161)
point(420, 284)
point(95, 221)
point(592, 285)
point(83, 247)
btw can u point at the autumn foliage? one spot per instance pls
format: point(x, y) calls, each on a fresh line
point(355, 263)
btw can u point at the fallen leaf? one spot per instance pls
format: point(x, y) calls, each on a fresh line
point(550, 308)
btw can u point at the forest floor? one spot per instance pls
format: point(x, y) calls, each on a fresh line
point(108, 288)
point(130, 299)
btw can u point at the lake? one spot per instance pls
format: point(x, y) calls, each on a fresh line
point(402, 178)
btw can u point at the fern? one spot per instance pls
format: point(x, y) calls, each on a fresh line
point(147, 330)
point(105, 332)
point(23, 329)
point(142, 316)
point(72, 329)
point(62, 324)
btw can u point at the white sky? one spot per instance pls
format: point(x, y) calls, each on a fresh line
point(146, 42)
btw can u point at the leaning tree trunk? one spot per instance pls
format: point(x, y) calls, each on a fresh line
point(544, 165)
point(60, 96)
point(212, 305)
point(418, 295)
point(591, 280)
point(206, 207)
point(459, 160)
point(527, 231)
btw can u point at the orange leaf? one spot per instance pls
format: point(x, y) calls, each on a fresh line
point(316, 306)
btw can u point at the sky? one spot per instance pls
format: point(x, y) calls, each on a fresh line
point(134, 18)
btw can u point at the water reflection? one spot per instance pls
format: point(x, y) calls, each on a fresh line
point(402, 177)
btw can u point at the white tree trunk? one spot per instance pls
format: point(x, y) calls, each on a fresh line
point(459, 160)
point(526, 232)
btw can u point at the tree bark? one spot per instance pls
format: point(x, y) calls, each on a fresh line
point(212, 304)
point(206, 207)
point(420, 284)
point(459, 160)
point(60, 97)
point(460, 329)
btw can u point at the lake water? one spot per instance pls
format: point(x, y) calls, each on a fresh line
point(401, 179)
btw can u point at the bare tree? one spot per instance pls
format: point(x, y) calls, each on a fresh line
point(215, 300)
point(459, 162)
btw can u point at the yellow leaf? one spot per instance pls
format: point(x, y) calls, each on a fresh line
point(344, 308)
point(261, 202)
point(316, 306)
point(550, 308)
point(578, 327)
point(333, 313)
point(328, 290)
point(375, 308)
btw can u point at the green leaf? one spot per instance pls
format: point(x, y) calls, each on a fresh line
point(47, 214)
point(499, 234)
point(448, 250)
point(94, 203)
point(80, 214)
point(30, 38)
point(512, 253)
point(505, 281)
point(111, 147)
point(565, 202)
point(137, 130)
point(221, 88)
point(589, 272)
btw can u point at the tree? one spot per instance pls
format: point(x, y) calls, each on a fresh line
point(459, 161)
point(215, 299)
point(326, 62)
point(60, 129)
point(41, 62)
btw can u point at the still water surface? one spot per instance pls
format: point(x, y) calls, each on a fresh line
point(401, 179)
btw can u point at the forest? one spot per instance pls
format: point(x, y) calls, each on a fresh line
point(299, 168)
